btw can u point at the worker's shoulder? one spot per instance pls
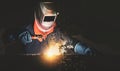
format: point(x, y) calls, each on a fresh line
point(12, 33)
point(29, 28)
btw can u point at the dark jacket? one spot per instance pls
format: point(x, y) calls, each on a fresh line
point(20, 42)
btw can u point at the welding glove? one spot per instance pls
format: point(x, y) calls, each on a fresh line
point(82, 49)
point(25, 37)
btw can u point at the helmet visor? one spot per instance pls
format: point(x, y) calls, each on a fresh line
point(49, 18)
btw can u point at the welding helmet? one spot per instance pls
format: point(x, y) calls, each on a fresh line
point(45, 14)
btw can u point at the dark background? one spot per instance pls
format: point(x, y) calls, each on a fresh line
point(95, 20)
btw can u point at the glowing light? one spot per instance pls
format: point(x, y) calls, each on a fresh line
point(52, 55)
point(53, 51)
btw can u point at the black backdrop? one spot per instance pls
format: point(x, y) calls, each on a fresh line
point(97, 21)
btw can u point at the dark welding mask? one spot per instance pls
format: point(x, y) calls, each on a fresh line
point(45, 14)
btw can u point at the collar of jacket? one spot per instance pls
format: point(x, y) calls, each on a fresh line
point(38, 30)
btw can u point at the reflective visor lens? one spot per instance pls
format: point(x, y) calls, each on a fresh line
point(49, 18)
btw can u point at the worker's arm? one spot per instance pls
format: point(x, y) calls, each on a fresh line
point(70, 45)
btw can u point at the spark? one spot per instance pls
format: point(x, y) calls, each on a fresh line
point(52, 55)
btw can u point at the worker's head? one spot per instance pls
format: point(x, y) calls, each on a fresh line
point(45, 14)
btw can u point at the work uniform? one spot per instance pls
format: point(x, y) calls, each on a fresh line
point(34, 39)
point(30, 43)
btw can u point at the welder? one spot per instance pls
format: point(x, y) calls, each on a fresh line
point(36, 36)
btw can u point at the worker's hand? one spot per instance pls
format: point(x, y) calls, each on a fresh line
point(25, 37)
point(81, 49)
